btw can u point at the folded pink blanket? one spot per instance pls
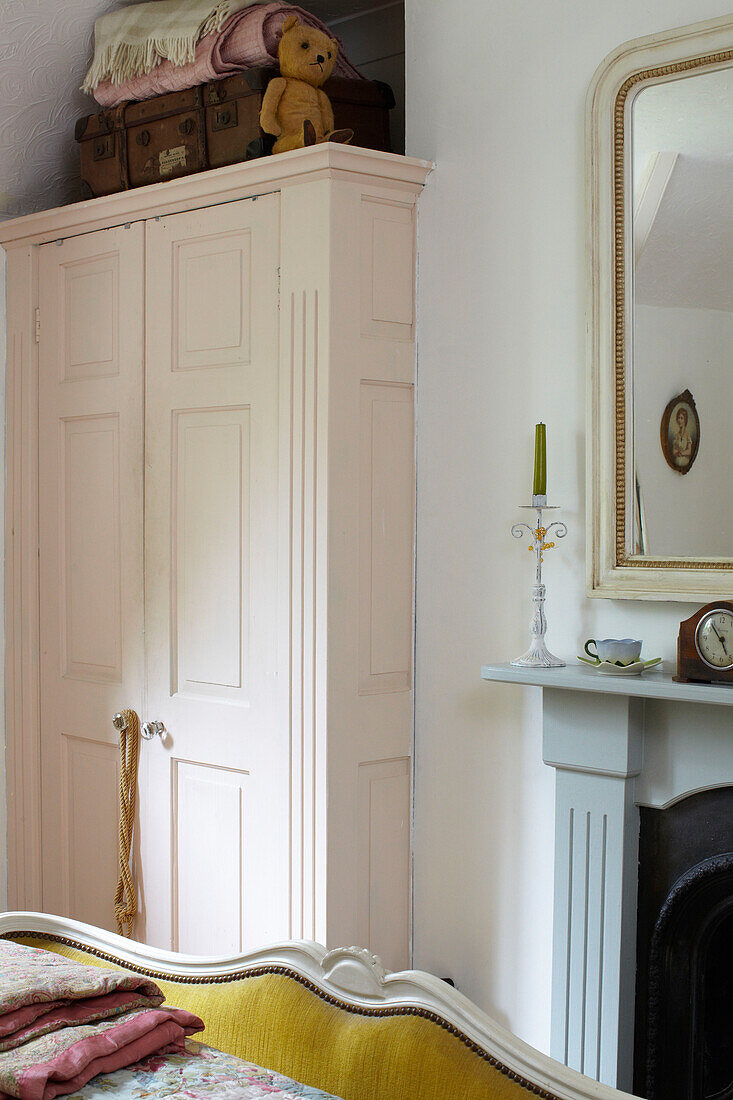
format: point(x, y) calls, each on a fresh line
point(249, 38)
point(62, 1023)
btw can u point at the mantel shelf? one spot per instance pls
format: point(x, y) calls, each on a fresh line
point(650, 685)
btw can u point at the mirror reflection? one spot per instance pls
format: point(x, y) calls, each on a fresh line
point(682, 331)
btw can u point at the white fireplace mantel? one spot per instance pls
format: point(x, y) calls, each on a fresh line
point(593, 735)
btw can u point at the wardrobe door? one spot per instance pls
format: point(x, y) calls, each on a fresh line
point(90, 549)
point(215, 818)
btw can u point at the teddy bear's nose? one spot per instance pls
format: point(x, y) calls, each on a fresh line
point(320, 59)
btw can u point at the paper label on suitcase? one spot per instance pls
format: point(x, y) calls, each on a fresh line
point(170, 159)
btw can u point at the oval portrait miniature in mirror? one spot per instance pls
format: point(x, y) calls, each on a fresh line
point(679, 433)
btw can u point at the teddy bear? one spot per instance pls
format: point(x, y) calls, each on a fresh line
point(294, 108)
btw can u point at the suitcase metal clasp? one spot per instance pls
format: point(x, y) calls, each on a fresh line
point(104, 147)
point(225, 117)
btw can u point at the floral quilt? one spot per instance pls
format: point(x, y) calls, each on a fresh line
point(34, 982)
point(198, 1074)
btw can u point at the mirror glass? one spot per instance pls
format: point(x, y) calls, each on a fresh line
point(681, 340)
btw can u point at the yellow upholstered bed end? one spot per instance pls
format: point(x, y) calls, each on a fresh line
point(276, 1021)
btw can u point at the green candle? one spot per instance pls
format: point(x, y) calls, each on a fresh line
point(540, 461)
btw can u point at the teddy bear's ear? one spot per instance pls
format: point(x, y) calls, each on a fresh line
point(288, 23)
point(335, 46)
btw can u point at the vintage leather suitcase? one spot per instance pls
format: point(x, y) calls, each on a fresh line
point(207, 127)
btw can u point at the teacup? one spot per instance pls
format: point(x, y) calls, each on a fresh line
point(623, 650)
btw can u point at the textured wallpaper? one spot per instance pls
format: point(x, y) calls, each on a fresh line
point(45, 48)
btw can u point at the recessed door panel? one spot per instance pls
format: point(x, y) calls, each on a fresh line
point(386, 539)
point(90, 782)
point(387, 269)
point(89, 316)
point(211, 300)
point(210, 500)
point(90, 564)
point(209, 810)
point(384, 858)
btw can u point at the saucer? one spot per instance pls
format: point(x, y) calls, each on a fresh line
point(608, 668)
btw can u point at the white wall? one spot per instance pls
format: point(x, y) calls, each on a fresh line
point(495, 95)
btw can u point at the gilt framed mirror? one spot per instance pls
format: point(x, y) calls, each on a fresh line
point(660, 320)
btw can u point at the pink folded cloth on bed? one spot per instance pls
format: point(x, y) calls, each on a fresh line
point(59, 1014)
point(248, 39)
point(63, 1061)
point(61, 1023)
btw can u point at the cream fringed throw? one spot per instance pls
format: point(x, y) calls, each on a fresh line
point(135, 39)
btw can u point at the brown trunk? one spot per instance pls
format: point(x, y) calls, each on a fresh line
point(207, 127)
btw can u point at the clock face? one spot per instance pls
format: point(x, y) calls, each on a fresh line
point(714, 638)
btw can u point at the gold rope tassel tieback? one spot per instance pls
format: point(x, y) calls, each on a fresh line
point(128, 724)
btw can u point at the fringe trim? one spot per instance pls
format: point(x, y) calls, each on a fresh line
point(121, 61)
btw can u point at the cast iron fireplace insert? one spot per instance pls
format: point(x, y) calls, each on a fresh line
point(684, 985)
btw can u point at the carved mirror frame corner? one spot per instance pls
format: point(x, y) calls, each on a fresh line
point(610, 571)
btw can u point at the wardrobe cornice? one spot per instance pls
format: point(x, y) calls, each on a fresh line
point(238, 181)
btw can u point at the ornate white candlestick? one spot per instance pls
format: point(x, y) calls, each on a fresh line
point(538, 655)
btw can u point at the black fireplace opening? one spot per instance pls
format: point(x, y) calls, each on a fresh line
point(684, 991)
point(717, 1008)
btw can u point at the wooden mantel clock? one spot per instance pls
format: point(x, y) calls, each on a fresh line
point(705, 645)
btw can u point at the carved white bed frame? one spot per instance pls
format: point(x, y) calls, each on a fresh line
point(350, 977)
